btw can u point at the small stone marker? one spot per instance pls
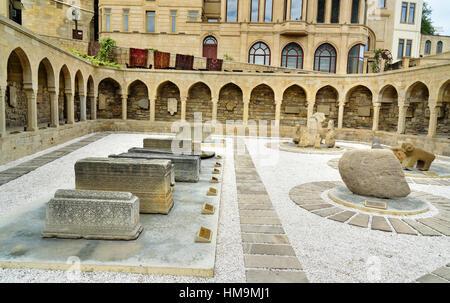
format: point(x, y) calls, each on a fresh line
point(214, 180)
point(430, 173)
point(216, 171)
point(208, 209)
point(212, 192)
point(204, 235)
point(218, 157)
point(375, 204)
point(218, 164)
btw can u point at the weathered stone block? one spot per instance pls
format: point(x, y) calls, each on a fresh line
point(149, 180)
point(165, 143)
point(187, 167)
point(92, 215)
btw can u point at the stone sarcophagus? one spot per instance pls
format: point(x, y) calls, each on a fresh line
point(187, 167)
point(151, 181)
point(165, 143)
point(92, 215)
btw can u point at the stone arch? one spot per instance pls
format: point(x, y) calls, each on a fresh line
point(443, 113)
point(46, 86)
point(327, 102)
point(167, 91)
point(199, 100)
point(418, 113)
point(388, 98)
point(109, 104)
point(65, 86)
point(138, 103)
point(19, 80)
point(230, 105)
point(358, 111)
point(262, 103)
point(78, 94)
point(90, 95)
point(294, 108)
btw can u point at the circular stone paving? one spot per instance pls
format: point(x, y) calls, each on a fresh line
point(313, 197)
point(292, 147)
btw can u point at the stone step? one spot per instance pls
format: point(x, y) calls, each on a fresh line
point(272, 262)
point(268, 249)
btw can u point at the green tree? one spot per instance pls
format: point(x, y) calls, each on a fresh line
point(427, 27)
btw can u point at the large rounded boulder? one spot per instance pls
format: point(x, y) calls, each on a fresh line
point(375, 173)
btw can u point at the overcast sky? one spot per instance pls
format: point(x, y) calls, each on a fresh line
point(440, 15)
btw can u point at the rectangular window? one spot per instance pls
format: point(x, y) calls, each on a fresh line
point(213, 20)
point(355, 12)
point(193, 16)
point(173, 21)
point(383, 3)
point(232, 11)
point(408, 48)
point(321, 11)
point(335, 11)
point(126, 14)
point(296, 9)
point(404, 12)
point(150, 21)
point(412, 12)
point(401, 44)
point(268, 11)
point(254, 11)
point(108, 19)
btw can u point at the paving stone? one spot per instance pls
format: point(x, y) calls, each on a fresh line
point(277, 262)
point(264, 238)
point(401, 227)
point(429, 278)
point(258, 213)
point(260, 221)
point(263, 229)
point(268, 249)
point(258, 199)
point(443, 272)
point(327, 211)
point(422, 229)
point(360, 220)
point(343, 216)
point(435, 224)
point(312, 207)
point(380, 223)
point(275, 276)
point(255, 206)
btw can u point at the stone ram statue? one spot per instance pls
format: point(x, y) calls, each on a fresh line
point(315, 133)
point(415, 155)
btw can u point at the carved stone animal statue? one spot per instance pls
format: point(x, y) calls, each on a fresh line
point(315, 133)
point(416, 157)
point(398, 152)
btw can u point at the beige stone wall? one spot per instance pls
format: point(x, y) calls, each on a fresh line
point(434, 39)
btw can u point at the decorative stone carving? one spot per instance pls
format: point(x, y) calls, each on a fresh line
point(143, 103)
point(415, 155)
point(12, 95)
point(172, 106)
point(314, 134)
point(150, 180)
point(398, 152)
point(230, 106)
point(101, 101)
point(187, 167)
point(374, 172)
point(92, 215)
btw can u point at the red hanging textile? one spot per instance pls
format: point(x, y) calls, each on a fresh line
point(214, 64)
point(138, 57)
point(161, 60)
point(184, 62)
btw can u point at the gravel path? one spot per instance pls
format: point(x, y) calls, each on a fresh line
point(41, 184)
point(334, 252)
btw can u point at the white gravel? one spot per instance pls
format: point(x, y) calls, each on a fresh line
point(41, 184)
point(330, 251)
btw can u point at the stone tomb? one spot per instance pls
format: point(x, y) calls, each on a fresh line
point(187, 167)
point(89, 214)
point(165, 143)
point(150, 180)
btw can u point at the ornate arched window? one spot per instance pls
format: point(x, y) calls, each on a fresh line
point(439, 47)
point(355, 64)
point(259, 54)
point(325, 58)
point(292, 56)
point(210, 47)
point(428, 47)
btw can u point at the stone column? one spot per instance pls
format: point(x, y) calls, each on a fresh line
point(124, 107)
point(278, 111)
point(152, 109)
point(183, 108)
point(70, 108)
point(376, 116)
point(433, 119)
point(93, 108)
point(341, 114)
point(54, 110)
point(327, 11)
point(245, 117)
point(402, 108)
point(214, 109)
point(82, 108)
point(31, 110)
point(2, 111)
point(310, 112)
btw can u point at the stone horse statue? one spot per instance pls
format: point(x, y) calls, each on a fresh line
point(315, 133)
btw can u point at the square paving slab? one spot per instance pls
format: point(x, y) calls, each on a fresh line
point(166, 246)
